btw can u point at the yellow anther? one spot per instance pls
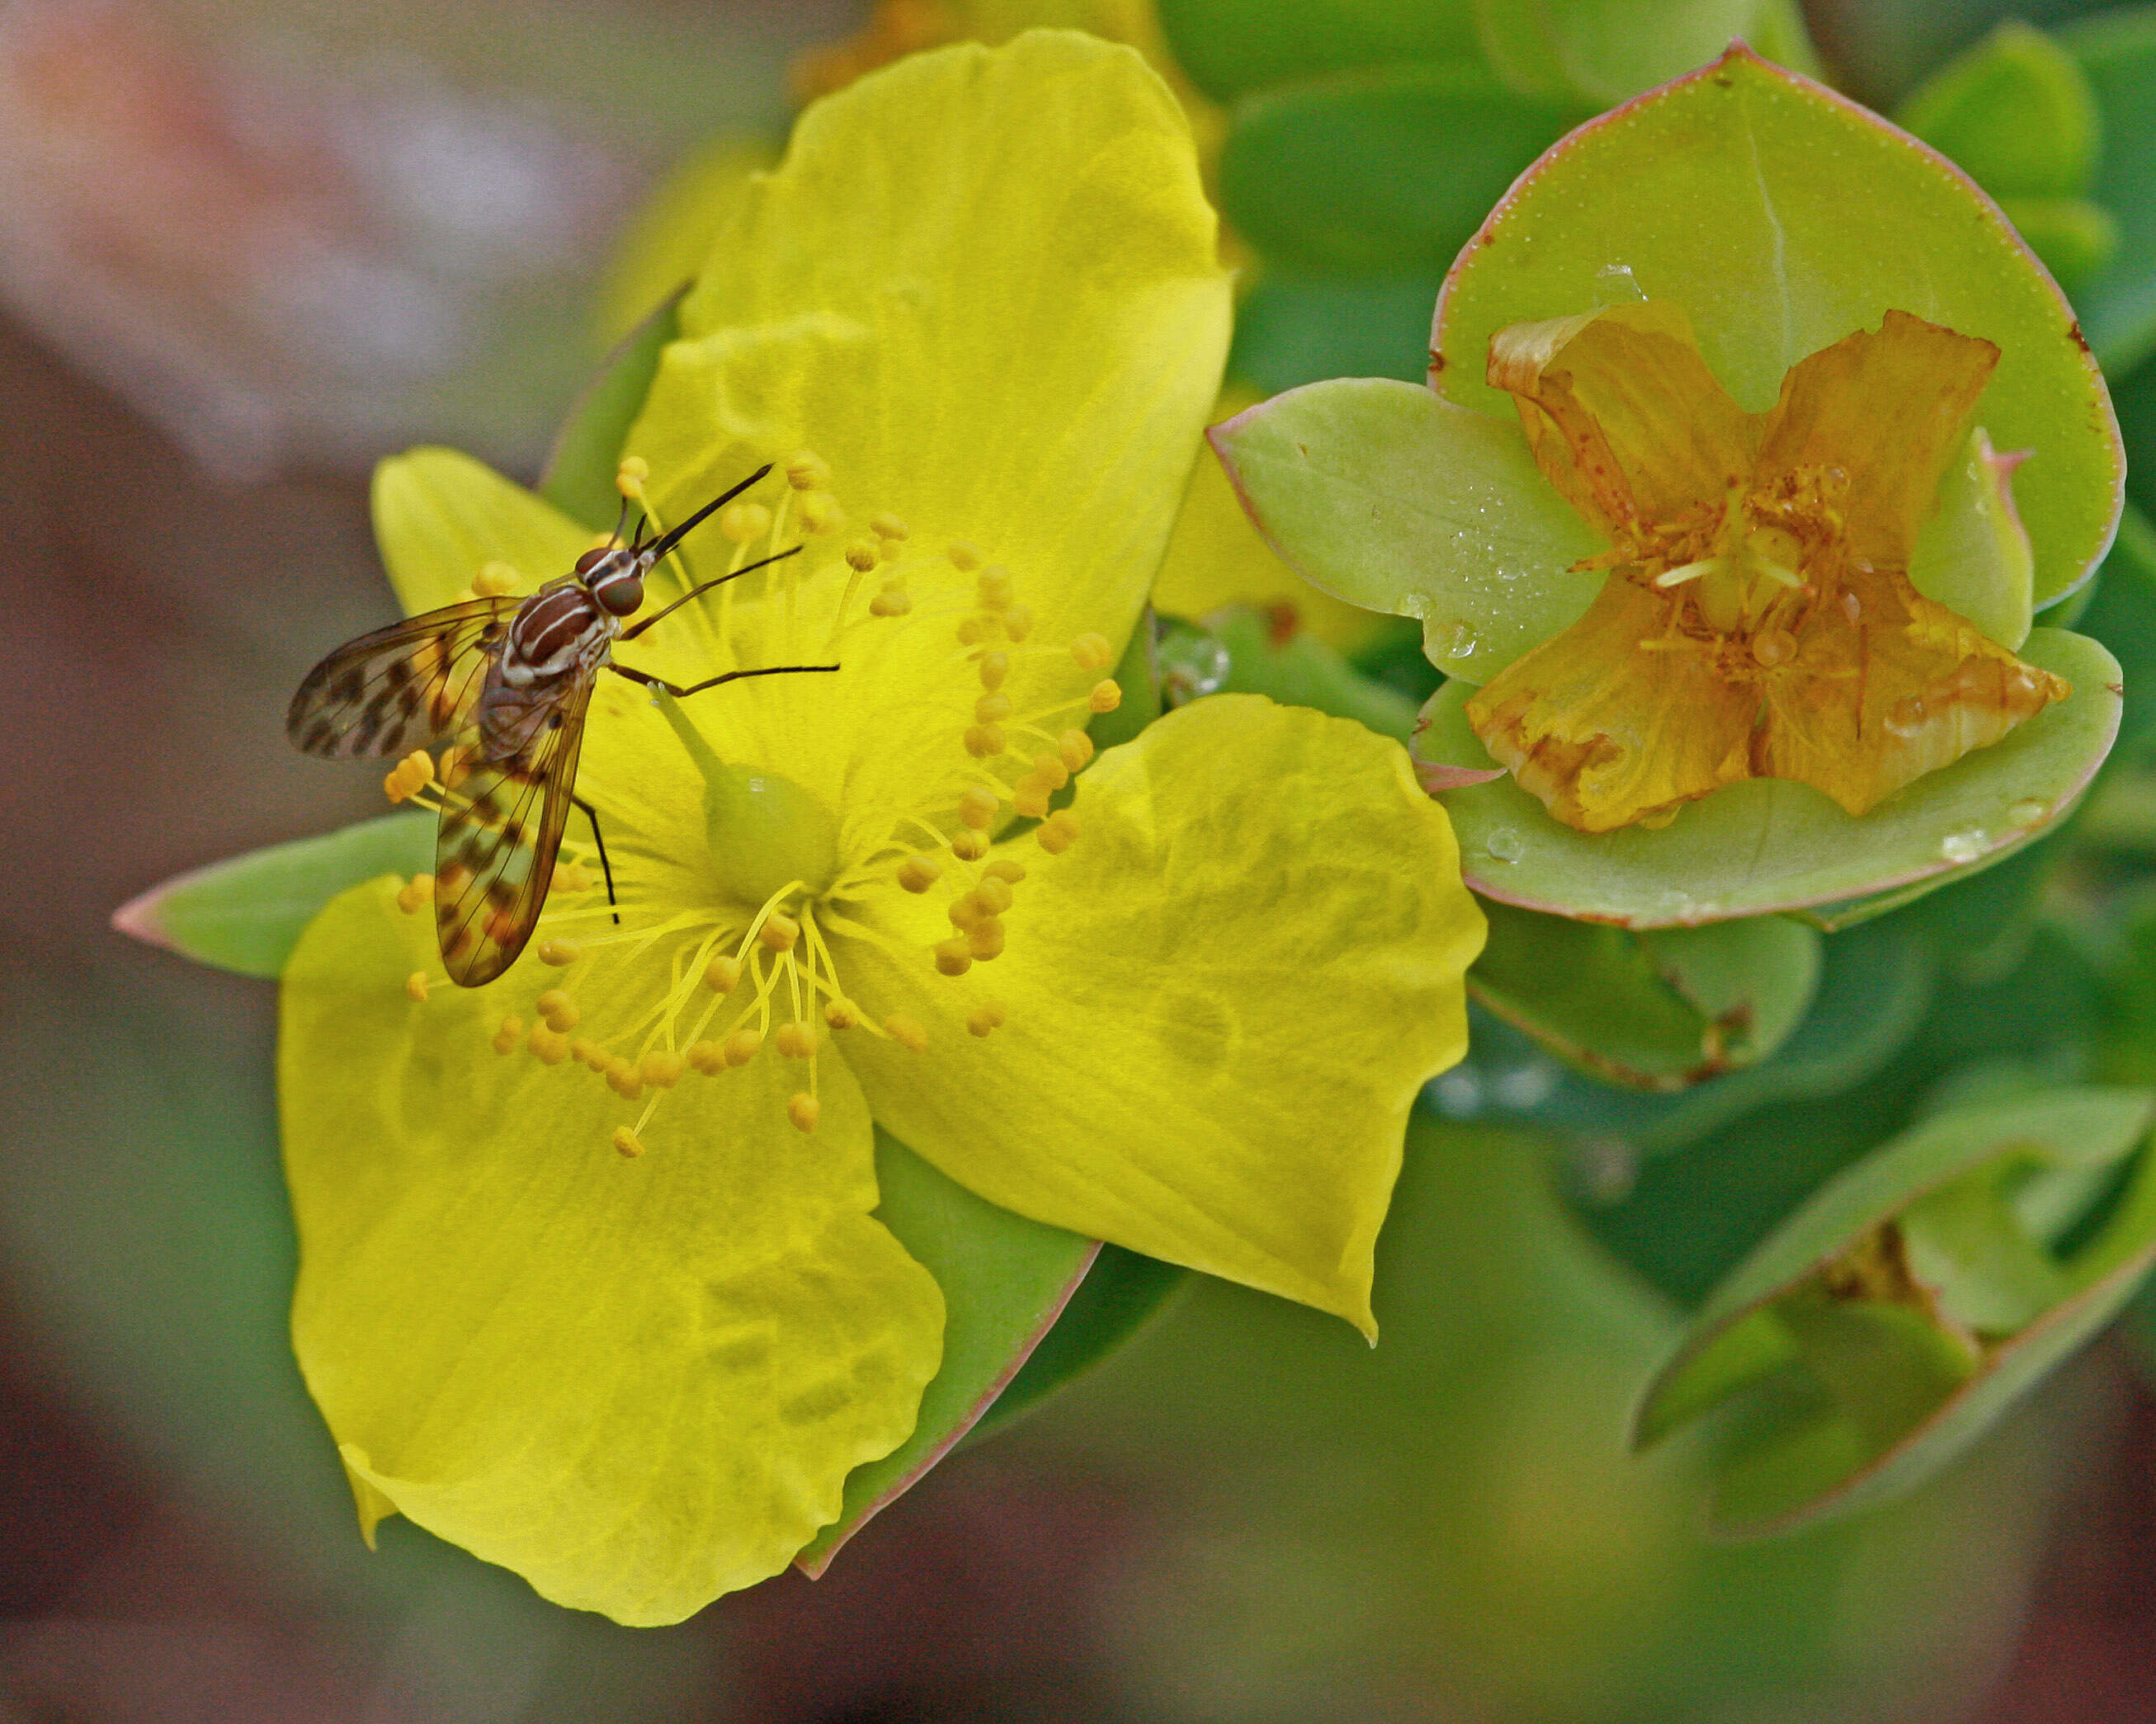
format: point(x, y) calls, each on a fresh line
point(628, 1143)
point(963, 556)
point(973, 631)
point(744, 523)
point(985, 742)
point(969, 846)
point(1010, 873)
point(889, 602)
point(862, 555)
point(589, 1053)
point(993, 895)
point(1076, 749)
point(964, 912)
point(993, 709)
point(806, 472)
point(557, 1008)
point(796, 1041)
point(452, 771)
point(842, 1014)
point(978, 807)
point(803, 1109)
point(572, 877)
point(420, 764)
point(1092, 652)
point(779, 932)
point(1049, 769)
point(1030, 797)
point(887, 525)
point(995, 587)
point(986, 1017)
point(742, 1045)
point(953, 958)
point(1017, 622)
point(549, 1047)
point(1773, 646)
point(906, 1032)
point(624, 1080)
point(629, 476)
point(416, 894)
point(708, 1057)
point(493, 580)
point(415, 986)
point(1106, 696)
point(722, 975)
point(559, 953)
point(820, 515)
point(660, 1070)
point(994, 668)
point(396, 783)
point(984, 940)
point(509, 1035)
point(916, 874)
point(1058, 832)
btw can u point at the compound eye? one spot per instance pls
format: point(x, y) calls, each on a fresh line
point(621, 597)
point(592, 558)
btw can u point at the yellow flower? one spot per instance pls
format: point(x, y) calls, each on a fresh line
point(1188, 1012)
point(1759, 620)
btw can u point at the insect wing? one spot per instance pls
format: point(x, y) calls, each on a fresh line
point(494, 851)
point(403, 687)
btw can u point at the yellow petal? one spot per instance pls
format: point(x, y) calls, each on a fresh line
point(638, 1383)
point(1888, 408)
point(1218, 1004)
point(982, 287)
point(1886, 686)
point(1607, 725)
point(1623, 416)
point(441, 517)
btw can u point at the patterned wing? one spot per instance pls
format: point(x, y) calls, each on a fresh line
point(403, 687)
point(494, 851)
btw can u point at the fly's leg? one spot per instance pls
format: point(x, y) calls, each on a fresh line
point(606, 867)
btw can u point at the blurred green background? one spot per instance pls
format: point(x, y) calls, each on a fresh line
point(246, 250)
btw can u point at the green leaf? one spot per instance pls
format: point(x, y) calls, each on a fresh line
point(1767, 845)
point(1228, 47)
point(247, 913)
point(1782, 217)
point(1238, 652)
point(1971, 556)
point(2075, 237)
point(2117, 55)
point(579, 477)
point(1661, 1012)
point(2122, 614)
point(1598, 53)
point(2016, 112)
point(1393, 499)
point(1292, 330)
point(1915, 1298)
point(1377, 173)
point(1004, 1280)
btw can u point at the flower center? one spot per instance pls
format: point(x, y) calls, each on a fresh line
point(1739, 573)
point(753, 967)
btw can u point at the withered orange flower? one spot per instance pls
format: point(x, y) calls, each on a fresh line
point(1759, 620)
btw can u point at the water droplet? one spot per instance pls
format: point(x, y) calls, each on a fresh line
point(1614, 285)
point(1528, 1085)
point(1965, 846)
point(1459, 1093)
point(1605, 1169)
point(1191, 665)
point(2030, 811)
point(1908, 717)
point(1504, 844)
point(1462, 642)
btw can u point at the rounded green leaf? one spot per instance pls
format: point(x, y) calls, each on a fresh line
point(2016, 112)
point(1381, 171)
point(1292, 329)
point(1897, 1313)
point(1767, 844)
point(1664, 1011)
point(248, 912)
point(1594, 53)
point(1391, 497)
point(1972, 556)
point(1782, 218)
point(579, 478)
point(2117, 54)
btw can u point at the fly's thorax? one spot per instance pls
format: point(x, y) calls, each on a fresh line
point(559, 628)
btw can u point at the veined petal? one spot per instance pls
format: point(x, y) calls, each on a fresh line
point(1619, 718)
point(640, 1383)
point(1623, 416)
point(1887, 408)
point(983, 287)
point(1219, 1002)
point(440, 517)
